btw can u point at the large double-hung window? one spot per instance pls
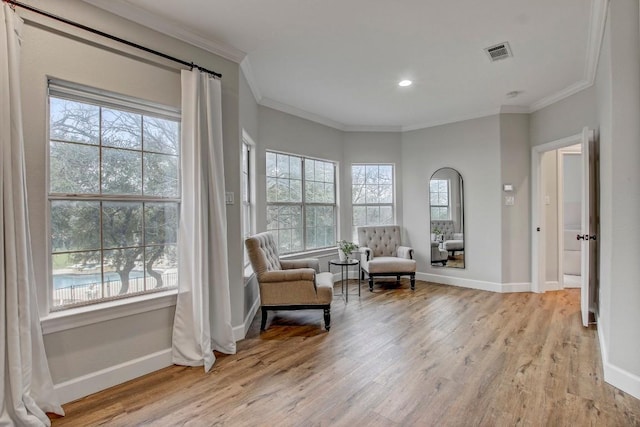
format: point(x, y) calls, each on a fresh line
point(439, 199)
point(301, 202)
point(114, 194)
point(372, 194)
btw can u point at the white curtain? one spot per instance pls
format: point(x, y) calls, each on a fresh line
point(27, 391)
point(203, 312)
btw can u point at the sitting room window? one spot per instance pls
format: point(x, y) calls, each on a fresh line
point(301, 202)
point(372, 195)
point(439, 193)
point(114, 194)
point(247, 223)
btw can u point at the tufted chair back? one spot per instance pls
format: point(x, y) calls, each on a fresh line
point(445, 226)
point(383, 240)
point(263, 253)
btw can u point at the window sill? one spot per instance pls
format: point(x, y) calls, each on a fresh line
point(316, 252)
point(88, 315)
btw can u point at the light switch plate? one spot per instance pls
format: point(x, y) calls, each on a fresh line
point(507, 187)
point(509, 200)
point(228, 197)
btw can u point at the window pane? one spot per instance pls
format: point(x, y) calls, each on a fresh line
point(77, 277)
point(319, 171)
point(295, 167)
point(283, 166)
point(272, 189)
point(272, 217)
point(161, 135)
point(121, 171)
point(433, 198)
point(373, 215)
point(443, 199)
point(442, 186)
point(359, 215)
point(160, 175)
point(295, 191)
point(121, 224)
point(357, 174)
point(309, 170)
point(123, 271)
point(385, 174)
point(329, 193)
point(371, 174)
point(74, 121)
point(74, 168)
point(357, 194)
point(385, 194)
point(372, 194)
point(161, 267)
point(75, 225)
point(160, 223)
point(271, 165)
point(386, 215)
point(121, 129)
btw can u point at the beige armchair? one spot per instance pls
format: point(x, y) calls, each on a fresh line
point(383, 255)
point(288, 284)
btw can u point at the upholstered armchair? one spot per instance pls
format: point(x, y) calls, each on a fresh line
point(438, 255)
point(383, 254)
point(288, 284)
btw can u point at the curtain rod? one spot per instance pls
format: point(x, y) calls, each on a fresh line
point(13, 3)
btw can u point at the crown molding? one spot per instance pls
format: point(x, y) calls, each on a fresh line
point(455, 119)
point(596, 34)
point(140, 16)
point(559, 96)
point(515, 109)
point(294, 111)
point(247, 70)
point(364, 128)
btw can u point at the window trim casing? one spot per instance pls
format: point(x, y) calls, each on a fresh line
point(251, 159)
point(69, 317)
point(303, 203)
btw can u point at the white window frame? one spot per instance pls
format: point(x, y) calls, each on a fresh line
point(247, 172)
point(304, 204)
point(447, 206)
point(70, 316)
point(392, 205)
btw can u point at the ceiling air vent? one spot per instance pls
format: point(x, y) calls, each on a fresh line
point(499, 51)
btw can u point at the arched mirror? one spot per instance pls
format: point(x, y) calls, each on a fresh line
point(446, 206)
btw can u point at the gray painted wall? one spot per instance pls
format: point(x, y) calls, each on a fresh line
point(550, 187)
point(564, 118)
point(515, 165)
point(618, 92)
point(472, 148)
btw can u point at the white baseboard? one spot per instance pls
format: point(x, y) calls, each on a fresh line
point(617, 377)
point(475, 284)
point(552, 286)
point(240, 331)
point(96, 381)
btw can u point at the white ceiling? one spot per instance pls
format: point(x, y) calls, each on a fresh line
point(339, 61)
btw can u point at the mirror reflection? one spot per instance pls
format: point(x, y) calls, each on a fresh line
point(446, 205)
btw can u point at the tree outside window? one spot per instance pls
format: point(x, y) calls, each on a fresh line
point(114, 192)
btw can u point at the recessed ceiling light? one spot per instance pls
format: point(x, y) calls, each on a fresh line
point(404, 83)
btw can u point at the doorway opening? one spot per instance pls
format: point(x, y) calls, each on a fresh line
point(564, 217)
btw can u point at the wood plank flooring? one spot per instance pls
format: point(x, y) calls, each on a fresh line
point(438, 356)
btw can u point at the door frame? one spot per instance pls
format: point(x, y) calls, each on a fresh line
point(538, 240)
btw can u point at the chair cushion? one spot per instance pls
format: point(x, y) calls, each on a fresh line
point(391, 265)
point(454, 245)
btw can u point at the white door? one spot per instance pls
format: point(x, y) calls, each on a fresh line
point(589, 224)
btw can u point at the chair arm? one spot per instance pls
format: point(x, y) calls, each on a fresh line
point(435, 244)
point(288, 264)
point(405, 252)
point(288, 275)
point(366, 254)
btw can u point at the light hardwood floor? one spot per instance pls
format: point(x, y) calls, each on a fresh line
point(441, 356)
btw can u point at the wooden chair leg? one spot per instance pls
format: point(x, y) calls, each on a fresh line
point(263, 323)
point(413, 281)
point(327, 318)
point(370, 283)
